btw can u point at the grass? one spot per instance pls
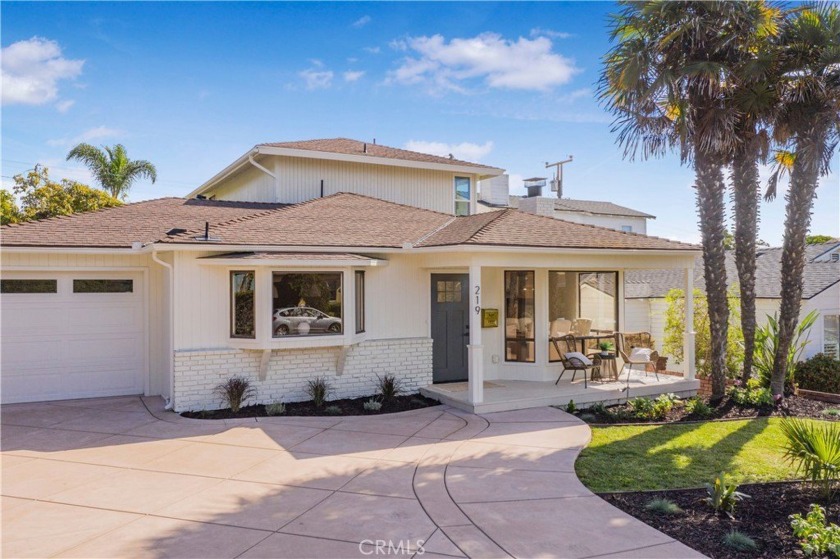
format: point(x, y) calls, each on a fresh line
point(640, 457)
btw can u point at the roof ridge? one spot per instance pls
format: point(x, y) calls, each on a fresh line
point(484, 228)
point(192, 232)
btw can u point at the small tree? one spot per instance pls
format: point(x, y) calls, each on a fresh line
point(675, 329)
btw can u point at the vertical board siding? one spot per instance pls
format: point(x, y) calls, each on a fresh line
point(250, 184)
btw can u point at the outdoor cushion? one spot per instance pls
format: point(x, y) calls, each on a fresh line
point(640, 354)
point(579, 356)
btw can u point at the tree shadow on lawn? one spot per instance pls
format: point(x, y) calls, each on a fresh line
point(676, 456)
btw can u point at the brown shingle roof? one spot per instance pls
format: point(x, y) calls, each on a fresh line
point(355, 147)
point(516, 228)
point(342, 219)
point(119, 227)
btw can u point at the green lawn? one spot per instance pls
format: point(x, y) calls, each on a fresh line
point(623, 458)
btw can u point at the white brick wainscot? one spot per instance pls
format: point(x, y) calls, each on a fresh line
point(198, 372)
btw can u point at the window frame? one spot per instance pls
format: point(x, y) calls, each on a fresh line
point(468, 201)
point(533, 338)
point(359, 300)
point(825, 340)
point(232, 303)
point(627, 228)
point(324, 335)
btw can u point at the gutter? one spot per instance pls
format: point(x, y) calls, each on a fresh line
point(170, 310)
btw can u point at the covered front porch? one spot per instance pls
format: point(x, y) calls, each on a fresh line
point(507, 394)
point(512, 360)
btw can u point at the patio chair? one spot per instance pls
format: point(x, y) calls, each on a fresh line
point(632, 358)
point(572, 359)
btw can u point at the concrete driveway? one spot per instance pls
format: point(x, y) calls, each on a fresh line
point(120, 477)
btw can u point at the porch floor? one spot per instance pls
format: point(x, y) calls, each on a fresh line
point(506, 395)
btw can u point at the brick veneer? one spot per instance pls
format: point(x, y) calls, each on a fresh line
point(198, 372)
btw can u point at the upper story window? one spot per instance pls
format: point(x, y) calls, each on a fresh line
point(627, 228)
point(306, 303)
point(462, 196)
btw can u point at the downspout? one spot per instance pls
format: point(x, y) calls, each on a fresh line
point(170, 273)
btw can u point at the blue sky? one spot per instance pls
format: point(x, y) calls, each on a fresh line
point(192, 86)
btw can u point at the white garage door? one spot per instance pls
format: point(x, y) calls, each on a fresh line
point(71, 336)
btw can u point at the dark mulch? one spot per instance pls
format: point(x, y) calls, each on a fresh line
point(350, 406)
point(763, 517)
point(794, 406)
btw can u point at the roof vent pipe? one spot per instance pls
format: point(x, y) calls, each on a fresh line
point(322, 188)
point(365, 147)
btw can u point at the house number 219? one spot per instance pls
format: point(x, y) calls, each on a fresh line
point(477, 299)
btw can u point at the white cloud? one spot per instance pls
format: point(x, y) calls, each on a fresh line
point(361, 22)
point(317, 79)
point(540, 32)
point(64, 106)
point(525, 64)
point(90, 135)
point(352, 76)
point(372, 50)
point(32, 70)
point(467, 151)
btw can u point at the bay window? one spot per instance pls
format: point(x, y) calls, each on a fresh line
point(306, 303)
point(519, 316)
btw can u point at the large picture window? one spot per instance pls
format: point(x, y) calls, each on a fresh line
point(519, 316)
point(462, 196)
point(583, 304)
point(242, 319)
point(306, 303)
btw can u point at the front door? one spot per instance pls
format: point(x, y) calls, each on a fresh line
point(450, 326)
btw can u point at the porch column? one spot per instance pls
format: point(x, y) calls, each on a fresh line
point(474, 349)
point(688, 343)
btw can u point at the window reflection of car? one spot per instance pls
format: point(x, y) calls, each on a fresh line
point(289, 321)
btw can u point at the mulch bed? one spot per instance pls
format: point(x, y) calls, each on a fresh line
point(763, 517)
point(794, 406)
point(350, 406)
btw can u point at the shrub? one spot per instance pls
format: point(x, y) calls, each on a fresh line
point(372, 405)
point(333, 410)
point(698, 408)
point(663, 506)
point(319, 390)
point(723, 496)
point(816, 536)
point(752, 396)
point(234, 392)
point(739, 541)
point(654, 410)
point(588, 417)
point(821, 372)
point(388, 386)
point(599, 409)
point(767, 340)
point(815, 450)
point(571, 407)
point(831, 412)
point(276, 408)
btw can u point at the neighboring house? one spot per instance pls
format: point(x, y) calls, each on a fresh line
point(645, 292)
point(334, 258)
point(494, 196)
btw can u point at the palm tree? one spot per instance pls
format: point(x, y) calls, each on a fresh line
point(667, 81)
point(112, 168)
point(753, 100)
point(808, 121)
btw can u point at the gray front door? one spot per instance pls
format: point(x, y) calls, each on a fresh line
point(450, 326)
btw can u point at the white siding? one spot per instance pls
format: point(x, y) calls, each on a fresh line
point(299, 180)
point(158, 342)
point(639, 224)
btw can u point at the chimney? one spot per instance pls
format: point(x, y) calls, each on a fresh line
point(534, 186)
point(495, 190)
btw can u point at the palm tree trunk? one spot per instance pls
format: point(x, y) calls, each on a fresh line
point(800, 201)
point(710, 207)
point(745, 193)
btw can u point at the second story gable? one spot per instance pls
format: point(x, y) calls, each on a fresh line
point(293, 172)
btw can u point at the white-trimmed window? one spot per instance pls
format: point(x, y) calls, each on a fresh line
point(360, 301)
point(463, 195)
point(627, 228)
point(242, 305)
point(831, 335)
point(307, 304)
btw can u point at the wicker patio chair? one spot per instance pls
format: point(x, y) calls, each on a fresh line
point(624, 345)
point(573, 360)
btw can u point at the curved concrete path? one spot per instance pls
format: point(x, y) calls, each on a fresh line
point(120, 477)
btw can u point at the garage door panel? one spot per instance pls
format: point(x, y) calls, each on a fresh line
point(66, 345)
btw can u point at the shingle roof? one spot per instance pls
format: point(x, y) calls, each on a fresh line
point(597, 207)
point(818, 276)
point(288, 256)
point(516, 228)
point(356, 147)
point(119, 227)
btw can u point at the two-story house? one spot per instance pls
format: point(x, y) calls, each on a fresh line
point(336, 258)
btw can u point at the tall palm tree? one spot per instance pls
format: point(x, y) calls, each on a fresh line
point(808, 121)
point(666, 80)
point(112, 168)
point(753, 99)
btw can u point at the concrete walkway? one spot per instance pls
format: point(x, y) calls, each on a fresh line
point(119, 477)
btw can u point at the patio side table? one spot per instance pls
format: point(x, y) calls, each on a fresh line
point(608, 366)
